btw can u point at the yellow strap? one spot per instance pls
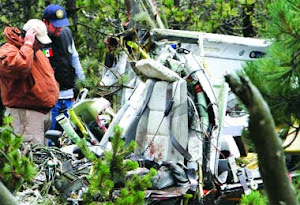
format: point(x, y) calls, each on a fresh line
point(77, 121)
point(138, 48)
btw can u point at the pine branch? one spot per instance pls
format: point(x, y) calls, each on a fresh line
point(268, 145)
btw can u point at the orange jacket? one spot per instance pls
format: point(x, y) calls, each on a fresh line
point(26, 78)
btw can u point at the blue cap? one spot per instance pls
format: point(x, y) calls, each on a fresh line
point(56, 15)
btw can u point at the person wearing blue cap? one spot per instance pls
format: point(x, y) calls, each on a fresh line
point(63, 57)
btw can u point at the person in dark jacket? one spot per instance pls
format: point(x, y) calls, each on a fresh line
point(28, 86)
point(63, 57)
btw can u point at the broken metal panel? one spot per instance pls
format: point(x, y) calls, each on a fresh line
point(213, 55)
point(114, 76)
point(221, 91)
point(189, 36)
point(110, 76)
point(125, 115)
point(222, 53)
point(234, 125)
point(292, 142)
point(105, 139)
point(217, 96)
point(154, 69)
point(228, 144)
point(195, 145)
point(89, 109)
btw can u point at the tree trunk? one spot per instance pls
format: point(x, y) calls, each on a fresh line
point(47, 2)
point(268, 146)
point(6, 197)
point(248, 30)
point(71, 10)
point(133, 9)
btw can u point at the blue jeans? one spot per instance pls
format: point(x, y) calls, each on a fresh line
point(61, 106)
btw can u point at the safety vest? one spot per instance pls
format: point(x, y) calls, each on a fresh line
point(59, 53)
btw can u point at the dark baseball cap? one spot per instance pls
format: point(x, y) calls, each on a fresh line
point(56, 15)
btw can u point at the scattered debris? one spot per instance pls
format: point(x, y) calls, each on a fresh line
point(182, 115)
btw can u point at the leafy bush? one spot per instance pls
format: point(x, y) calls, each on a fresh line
point(254, 198)
point(15, 169)
point(108, 174)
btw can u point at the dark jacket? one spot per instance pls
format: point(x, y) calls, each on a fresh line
point(61, 60)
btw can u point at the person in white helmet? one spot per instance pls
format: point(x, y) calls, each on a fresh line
point(28, 86)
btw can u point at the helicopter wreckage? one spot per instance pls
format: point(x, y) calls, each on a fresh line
point(185, 120)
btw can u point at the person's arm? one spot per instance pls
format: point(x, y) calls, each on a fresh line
point(76, 63)
point(17, 63)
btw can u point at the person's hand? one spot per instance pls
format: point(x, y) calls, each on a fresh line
point(30, 37)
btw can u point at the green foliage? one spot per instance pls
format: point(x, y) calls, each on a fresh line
point(92, 21)
point(93, 74)
point(254, 198)
point(110, 172)
point(187, 197)
point(248, 141)
point(115, 159)
point(98, 19)
point(227, 17)
point(145, 20)
point(86, 151)
point(277, 74)
point(15, 169)
point(260, 198)
point(296, 184)
point(133, 192)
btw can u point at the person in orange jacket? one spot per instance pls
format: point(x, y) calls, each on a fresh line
point(28, 86)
